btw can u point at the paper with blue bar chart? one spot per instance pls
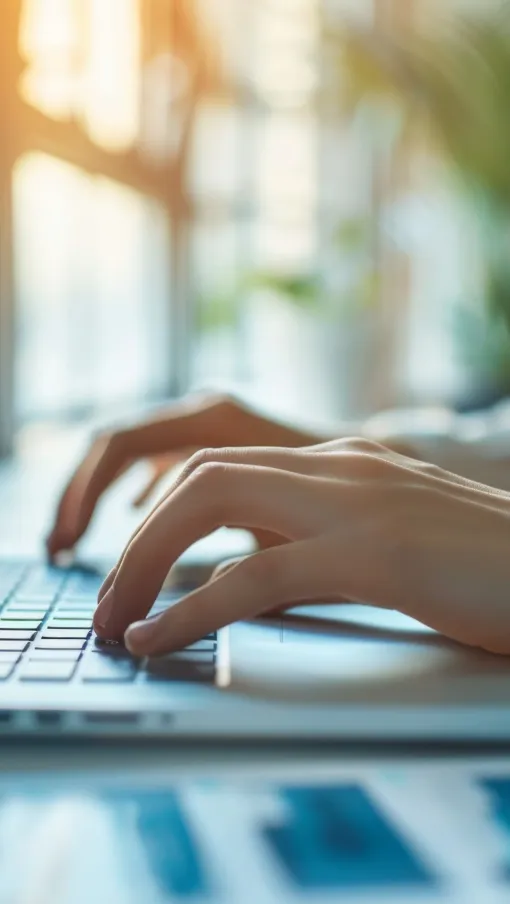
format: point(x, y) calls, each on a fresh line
point(437, 832)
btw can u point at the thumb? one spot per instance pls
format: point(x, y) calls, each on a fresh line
point(246, 589)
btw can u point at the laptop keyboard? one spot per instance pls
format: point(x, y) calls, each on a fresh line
point(46, 634)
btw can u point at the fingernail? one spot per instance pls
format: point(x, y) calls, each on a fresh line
point(104, 610)
point(140, 634)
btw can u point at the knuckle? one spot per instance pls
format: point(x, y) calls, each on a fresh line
point(211, 476)
point(200, 459)
point(429, 469)
point(400, 446)
point(366, 465)
point(360, 444)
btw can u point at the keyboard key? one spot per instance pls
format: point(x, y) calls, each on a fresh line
point(106, 668)
point(15, 646)
point(9, 578)
point(35, 605)
point(22, 615)
point(42, 582)
point(7, 624)
point(9, 656)
point(56, 644)
point(78, 612)
point(190, 657)
point(22, 603)
point(53, 655)
point(89, 602)
point(17, 635)
point(65, 634)
point(46, 671)
point(6, 669)
point(40, 599)
point(69, 623)
point(84, 584)
point(184, 666)
point(12, 571)
point(107, 646)
point(113, 652)
point(202, 646)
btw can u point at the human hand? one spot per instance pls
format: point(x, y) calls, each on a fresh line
point(361, 523)
point(197, 422)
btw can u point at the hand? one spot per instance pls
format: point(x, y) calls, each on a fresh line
point(361, 523)
point(209, 421)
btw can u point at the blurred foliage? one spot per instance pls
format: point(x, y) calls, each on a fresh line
point(305, 290)
point(451, 84)
point(483, 347)
point(456, 79)
point(351, 246)
point(218, 309)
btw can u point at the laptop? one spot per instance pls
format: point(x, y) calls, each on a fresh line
point(324, 672)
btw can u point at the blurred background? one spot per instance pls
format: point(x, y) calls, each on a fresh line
point(305, 201)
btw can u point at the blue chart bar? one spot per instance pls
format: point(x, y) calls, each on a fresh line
point(335, 838)
point(167, 841)
point(498, 791)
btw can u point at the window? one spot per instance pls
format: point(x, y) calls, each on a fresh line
point(164, 152)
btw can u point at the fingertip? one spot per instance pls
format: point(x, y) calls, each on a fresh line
point(58, 553)
point(139, 637)
point(130, 640)
point(103, 612)
point(52, 544)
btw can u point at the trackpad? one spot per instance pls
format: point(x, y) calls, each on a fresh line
point(355, 654)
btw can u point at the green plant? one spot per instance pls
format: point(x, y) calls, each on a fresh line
point(451, 83)
point(216, 310)
point(482, 346)
point(351, 247)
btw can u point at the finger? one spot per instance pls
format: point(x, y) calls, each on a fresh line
point(189, 425)
point(105, 462)
point(150, 487)
point(227, 566)
point(294, 461)
point(297, 461)
point(297, 571)
point(161, 466)
point(291, 505)
point(107, 583)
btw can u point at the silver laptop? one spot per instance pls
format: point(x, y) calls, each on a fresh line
point(323, 672)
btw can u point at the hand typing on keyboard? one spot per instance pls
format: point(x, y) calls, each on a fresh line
point(190, 424)
point(356, 522)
